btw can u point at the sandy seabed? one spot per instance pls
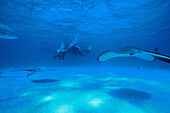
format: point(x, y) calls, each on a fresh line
point(86, 90)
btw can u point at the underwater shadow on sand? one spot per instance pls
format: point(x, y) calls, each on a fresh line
point(130, 95)
point(6, 99)
point(45, 81)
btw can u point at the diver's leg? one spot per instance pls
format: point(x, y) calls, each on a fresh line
point(81, 53)
point(63, 57)
point(55, 56)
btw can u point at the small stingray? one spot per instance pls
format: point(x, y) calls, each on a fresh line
point(45, 81)
point(34, 70)
point(129, 94)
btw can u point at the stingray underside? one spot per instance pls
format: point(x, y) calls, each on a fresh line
point(142, 54)
point(106, 55)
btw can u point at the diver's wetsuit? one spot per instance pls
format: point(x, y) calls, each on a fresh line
point(75, 50)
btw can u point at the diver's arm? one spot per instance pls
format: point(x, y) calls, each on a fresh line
point(84, 53)
point(81, 53)
point(87, 51)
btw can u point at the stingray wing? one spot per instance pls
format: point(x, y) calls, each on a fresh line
point(106, 55)
point(146, 57)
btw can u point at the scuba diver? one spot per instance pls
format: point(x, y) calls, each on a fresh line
point(71, 48)
point(75, 50)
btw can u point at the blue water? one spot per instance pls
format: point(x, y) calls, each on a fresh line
point(82, 84)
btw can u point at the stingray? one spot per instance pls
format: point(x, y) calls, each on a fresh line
point(34, 70)
point(133, 52)
point(131, 95)
point(6, 32)
point(45, 81)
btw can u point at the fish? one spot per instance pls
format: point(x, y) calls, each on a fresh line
point(45, 81)
point(7, 33)
point(130, 51)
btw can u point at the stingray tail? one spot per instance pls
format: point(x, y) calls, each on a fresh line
point(163, 59)
point(29, 74)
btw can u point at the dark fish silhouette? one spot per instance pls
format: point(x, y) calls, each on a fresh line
point(45, 81)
